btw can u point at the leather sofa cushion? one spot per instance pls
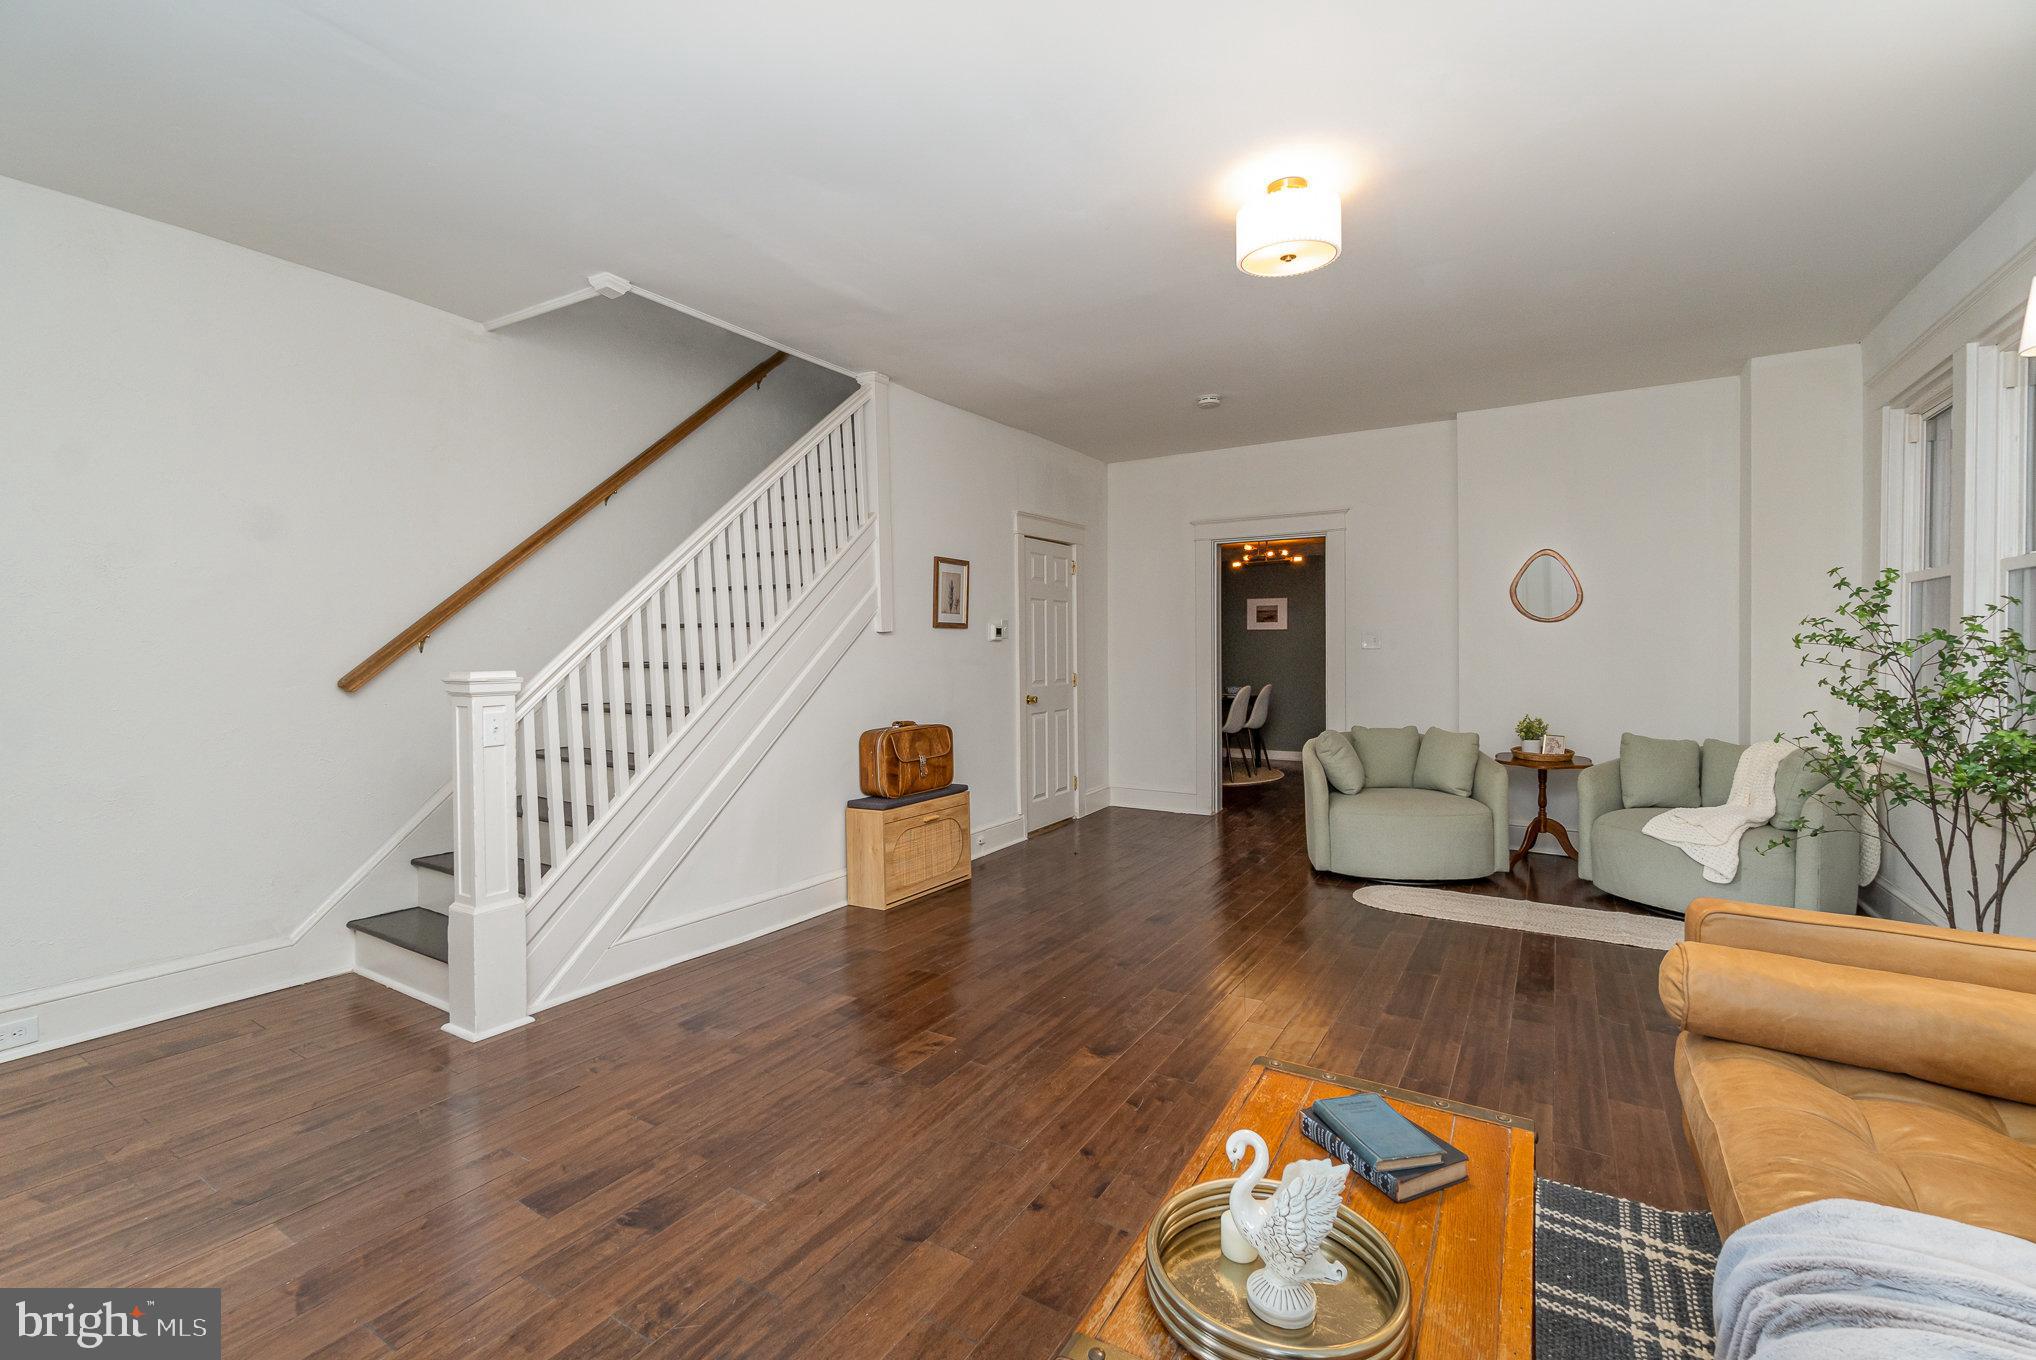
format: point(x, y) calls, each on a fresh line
point(1659, 774)
point(1773, 1130)
point(1388, 754)
point(1863, 942)
point(1958, 1034)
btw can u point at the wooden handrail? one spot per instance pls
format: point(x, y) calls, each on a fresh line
point(413, 636)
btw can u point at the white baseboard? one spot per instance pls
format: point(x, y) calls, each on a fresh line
point(1545, 846)
point(990, 837)
point(320, 946)
point(1095, 800)
point(1157, 800)
point(1883, 901)
point(1293, 757)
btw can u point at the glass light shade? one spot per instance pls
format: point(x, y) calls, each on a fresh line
point(1294, 229)
point(2029, 324)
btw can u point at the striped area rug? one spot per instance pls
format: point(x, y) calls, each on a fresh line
point(1615, 1279)
point(1541, 918)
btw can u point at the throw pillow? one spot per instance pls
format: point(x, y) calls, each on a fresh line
point(1448, 762)
point(1388, 754)
point(1659, 774)
point(1794, 782)
point(1721, 762)
point(1339, 762)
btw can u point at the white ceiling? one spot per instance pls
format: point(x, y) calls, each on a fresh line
point(1026, 209)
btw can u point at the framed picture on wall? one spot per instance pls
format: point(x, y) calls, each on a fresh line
point(950, 592)
point(1266, 614)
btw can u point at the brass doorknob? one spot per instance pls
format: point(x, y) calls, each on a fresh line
point(1032, 698)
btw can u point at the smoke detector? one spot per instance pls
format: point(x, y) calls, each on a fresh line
point(1209, 401)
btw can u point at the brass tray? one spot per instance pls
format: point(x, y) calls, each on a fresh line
point(1533, 758)
point(1198, 1295)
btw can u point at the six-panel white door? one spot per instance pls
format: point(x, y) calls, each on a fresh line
point(1047, 675)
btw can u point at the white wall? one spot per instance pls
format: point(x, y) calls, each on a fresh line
point(1400, 562)
point(226, 480)
point(1640, 492)
point(1684, 626)
point(1802, 455)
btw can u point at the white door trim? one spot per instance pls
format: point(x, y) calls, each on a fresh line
point(1025, 524)
point(1205, 603)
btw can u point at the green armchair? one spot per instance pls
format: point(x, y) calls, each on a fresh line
point(1815, 872)
point(1411, 806)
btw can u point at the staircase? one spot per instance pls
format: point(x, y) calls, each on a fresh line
point(567, 784)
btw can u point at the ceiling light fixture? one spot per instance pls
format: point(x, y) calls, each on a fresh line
point(1209, 401)
point(1294, 229)
point(2029, 325)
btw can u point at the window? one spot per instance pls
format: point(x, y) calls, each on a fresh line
point(2018, 496)
point(1958, 487)
point(1926, 562)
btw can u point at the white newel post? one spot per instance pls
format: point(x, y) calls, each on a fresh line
point(487, 985)
point(879, 427)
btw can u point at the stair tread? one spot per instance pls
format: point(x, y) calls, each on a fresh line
point(441, 863)
point(417, 929)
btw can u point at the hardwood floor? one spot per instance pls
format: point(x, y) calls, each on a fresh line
point(923, 1133)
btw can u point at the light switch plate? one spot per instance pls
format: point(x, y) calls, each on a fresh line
point(1368, 642)
point(494, 728)
point(997, 631)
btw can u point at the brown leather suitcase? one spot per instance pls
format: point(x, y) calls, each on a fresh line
point(906, 758)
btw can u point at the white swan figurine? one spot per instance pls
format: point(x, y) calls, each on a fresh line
point(1289, 1238)
point(1246, 1210)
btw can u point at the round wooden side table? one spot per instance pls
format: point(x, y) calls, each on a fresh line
point(1542, 821)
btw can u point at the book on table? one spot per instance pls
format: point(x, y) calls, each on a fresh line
point(1397, 1186)
point(1383, 1137)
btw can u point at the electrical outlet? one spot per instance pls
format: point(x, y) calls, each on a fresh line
point(15, 1033)
point(982, 839)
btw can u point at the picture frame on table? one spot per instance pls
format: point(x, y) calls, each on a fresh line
point(950, 592)
point(1553, 745)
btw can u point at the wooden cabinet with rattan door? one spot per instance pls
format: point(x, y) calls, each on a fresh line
point(899, 849)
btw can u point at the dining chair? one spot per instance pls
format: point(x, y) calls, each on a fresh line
point(1254, 727)
point(1233, 725)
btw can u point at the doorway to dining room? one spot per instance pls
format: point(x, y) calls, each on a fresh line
point(1273, 645)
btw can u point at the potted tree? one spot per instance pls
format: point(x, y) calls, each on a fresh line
point(1944, 729)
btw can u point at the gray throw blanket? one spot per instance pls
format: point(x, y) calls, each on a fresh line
point(1842, 1280)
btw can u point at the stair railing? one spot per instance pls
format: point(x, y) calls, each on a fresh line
point(415, 635)
point(540, 764)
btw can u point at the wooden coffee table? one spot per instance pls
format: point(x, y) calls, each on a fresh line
point(1469, 1249)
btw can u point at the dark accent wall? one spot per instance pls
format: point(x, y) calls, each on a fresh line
point(1290, 660)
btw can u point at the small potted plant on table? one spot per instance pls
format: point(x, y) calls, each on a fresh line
point(1530, 730)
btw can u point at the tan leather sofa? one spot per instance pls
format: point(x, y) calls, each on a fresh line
point(1841, 1057)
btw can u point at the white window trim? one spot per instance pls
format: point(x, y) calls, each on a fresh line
point(1903, 508)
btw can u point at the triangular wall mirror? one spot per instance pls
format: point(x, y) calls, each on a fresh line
point(1546, 588)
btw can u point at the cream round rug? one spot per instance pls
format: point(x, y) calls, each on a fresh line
point(1541, 918)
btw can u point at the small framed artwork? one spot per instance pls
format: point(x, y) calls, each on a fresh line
point(1552, 745)
point(950, 592)
point(1266, 614)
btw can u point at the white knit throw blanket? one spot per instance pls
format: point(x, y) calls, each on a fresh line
point(1711, 835)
